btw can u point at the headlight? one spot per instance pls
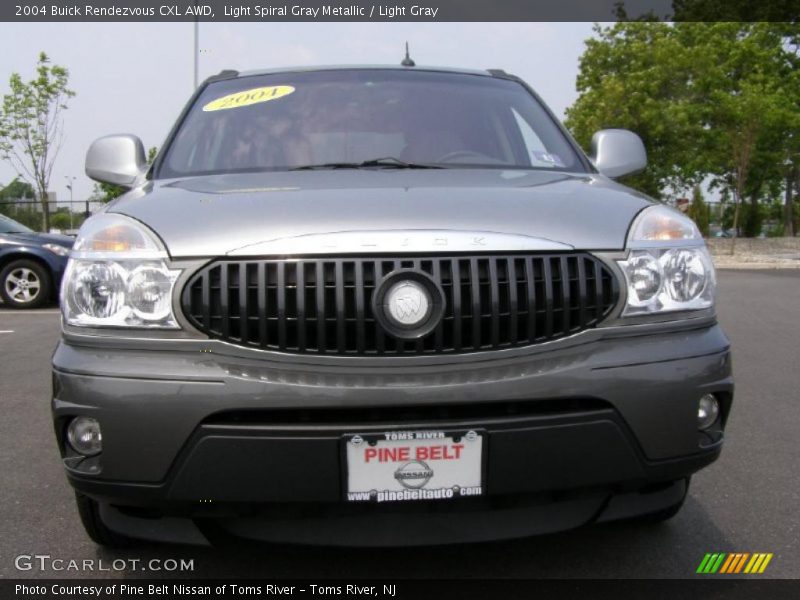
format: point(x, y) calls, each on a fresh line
point(117, 277)
point(56, 249)
point(668, 266)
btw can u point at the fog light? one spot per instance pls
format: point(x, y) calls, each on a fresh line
point(707, 411)
point(84, 436)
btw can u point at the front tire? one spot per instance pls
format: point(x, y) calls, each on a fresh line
point(89, 511)
point(25, 284)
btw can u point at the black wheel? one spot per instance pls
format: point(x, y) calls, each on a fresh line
point(25, 284)
point(89, 511)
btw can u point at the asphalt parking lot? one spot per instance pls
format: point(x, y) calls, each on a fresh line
point(746, 502)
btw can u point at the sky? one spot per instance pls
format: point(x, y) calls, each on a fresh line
point(136, 77)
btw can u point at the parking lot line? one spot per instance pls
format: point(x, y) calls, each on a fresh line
point(6, 331)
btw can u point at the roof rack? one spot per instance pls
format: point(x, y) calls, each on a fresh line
point(501, 74)
point(222, 75)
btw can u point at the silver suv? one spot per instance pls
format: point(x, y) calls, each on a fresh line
point(382, 306)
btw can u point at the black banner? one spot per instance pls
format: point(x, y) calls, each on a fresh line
point(398, 10)
point(713, 587)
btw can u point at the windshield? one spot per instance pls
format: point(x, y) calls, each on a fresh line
point(11, 226)
point(386, 118)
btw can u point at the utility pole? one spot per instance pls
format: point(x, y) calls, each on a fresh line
point(788, 214)
point(71, 182)
point(196, 45)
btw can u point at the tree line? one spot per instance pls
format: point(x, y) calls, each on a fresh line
point(716, 103)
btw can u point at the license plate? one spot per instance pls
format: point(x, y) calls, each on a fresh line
point(414, 465)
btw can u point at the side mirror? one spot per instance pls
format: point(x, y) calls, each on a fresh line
point(117, 159)
point(618, 152)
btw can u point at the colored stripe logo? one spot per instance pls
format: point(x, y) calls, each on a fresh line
point(734, 562)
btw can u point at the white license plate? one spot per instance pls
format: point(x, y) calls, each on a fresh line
point(414, 465)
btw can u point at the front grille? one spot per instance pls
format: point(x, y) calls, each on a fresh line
point(324, 305)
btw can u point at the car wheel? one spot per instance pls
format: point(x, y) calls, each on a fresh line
point(89, 511)
point(25, 284)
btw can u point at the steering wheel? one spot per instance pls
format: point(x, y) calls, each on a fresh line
point(467, 154)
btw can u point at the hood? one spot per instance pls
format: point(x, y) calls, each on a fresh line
point(266, 213)
point(43, 238)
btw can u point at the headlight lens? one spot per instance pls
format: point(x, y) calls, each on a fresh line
point(98, 289)
point(150, 292)
point(685, 273)
point(668, 267)
point(117, 277)
point(644, 276)
point(56, 249)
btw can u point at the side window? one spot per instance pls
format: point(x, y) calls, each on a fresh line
point(536, 151)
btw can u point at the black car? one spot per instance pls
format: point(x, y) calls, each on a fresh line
point(31, 264)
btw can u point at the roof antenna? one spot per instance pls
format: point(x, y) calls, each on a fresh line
point(407, 62)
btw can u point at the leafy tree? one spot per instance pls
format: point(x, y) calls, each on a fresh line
point(630, 78)
point(60, 220)
point(790, 212)
point(106, 192)
point(31, 125)
point(727, 216)
point(16, 190)
point(709, 99)
point(699, 211)
point(750, 93)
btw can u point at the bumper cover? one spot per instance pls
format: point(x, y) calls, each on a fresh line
point(588, 432)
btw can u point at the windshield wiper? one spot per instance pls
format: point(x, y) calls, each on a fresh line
point(389, 162)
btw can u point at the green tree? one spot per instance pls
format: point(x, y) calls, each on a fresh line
point(750, 91)
point(60, 220)
point(789, 212)
point(699, 211)
point(708, 99)
point(106, 192)
point(31, 125)
point(16, 190)
point(630, 77)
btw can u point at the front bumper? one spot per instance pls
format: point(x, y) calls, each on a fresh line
point(583, 432)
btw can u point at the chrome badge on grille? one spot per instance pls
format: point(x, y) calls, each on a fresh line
point(408, 302)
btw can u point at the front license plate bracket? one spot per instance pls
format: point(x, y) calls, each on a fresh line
point(413, 465)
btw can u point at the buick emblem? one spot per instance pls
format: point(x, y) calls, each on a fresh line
point(408, 302)
point(414, 475)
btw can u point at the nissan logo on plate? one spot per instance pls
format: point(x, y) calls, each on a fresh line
point(414, 475)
